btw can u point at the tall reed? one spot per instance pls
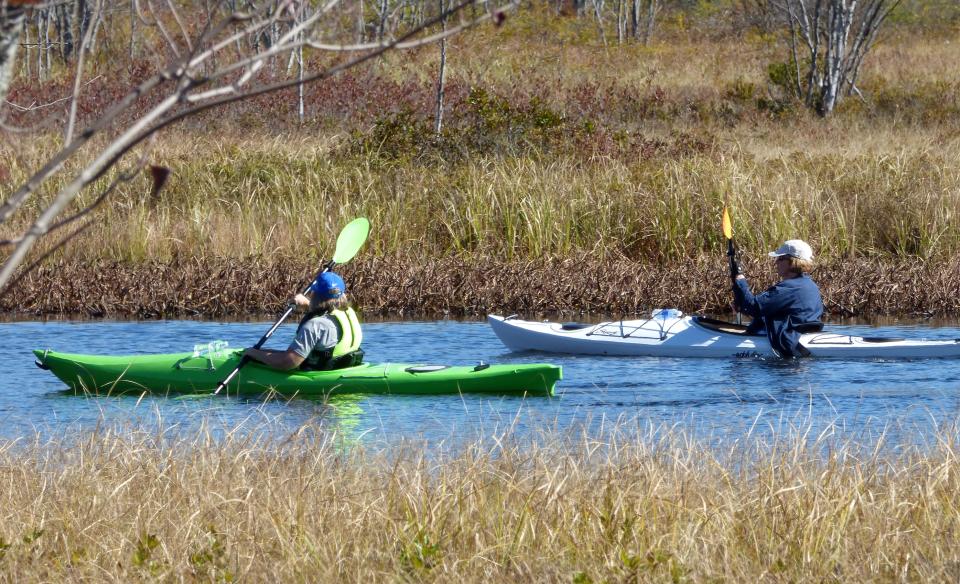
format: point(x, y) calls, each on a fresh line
point(257, 201)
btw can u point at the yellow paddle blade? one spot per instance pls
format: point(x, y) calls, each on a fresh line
point(727, 226)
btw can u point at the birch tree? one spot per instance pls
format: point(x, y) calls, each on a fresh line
point(828, 42)
point(11, 25)
point(214, 62)
point(643, 18)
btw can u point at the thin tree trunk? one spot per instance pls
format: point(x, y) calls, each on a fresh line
point(46, 43)
point(39, 45)
point(841, 19)
point(96, 22)
point(798, 83)
point(28, 64)
point(11, 25)
point(597, 11)
point(274, 35)
point(383, 20)
point(652, 8)
point(76, 20)
point(300, 105)
point(813, 80)
point(133, 29)
point(620, 22)
point(862, 44)
point(442, 75)
point(61, 19)
point(360, 22)
point(78, 78)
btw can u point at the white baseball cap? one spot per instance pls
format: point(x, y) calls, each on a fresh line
point(797, 248)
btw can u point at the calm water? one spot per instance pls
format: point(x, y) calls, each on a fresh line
point(727, 398)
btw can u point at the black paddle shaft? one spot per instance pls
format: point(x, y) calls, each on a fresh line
point(734, 269)
point(273, 329)
point(732, 259)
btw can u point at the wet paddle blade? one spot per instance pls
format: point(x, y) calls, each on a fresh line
point(351, 240)
point(727, 226)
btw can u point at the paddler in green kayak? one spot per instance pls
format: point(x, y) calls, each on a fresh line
point(328, 336)
point(788, 308)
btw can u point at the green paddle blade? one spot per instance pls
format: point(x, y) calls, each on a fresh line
point(351, 240)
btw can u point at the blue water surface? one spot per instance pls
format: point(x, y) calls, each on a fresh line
point(901, 400)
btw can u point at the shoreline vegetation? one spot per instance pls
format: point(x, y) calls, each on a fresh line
point(568, 177)
point(637, 504)
point(471, 287)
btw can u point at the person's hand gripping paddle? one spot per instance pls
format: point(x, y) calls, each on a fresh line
point(349, 242)
point(731, 251)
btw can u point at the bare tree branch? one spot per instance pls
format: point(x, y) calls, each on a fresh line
point(105, 121)
point(56, 163)
point(123, 177)
point(191, 88)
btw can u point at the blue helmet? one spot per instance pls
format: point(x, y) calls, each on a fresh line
point(328, 286)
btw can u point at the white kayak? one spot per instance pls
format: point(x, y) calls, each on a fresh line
point(670, 334)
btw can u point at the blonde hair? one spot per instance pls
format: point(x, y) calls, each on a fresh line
point(341, 303)
point(801, 266)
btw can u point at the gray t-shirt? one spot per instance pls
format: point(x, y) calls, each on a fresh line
point(317, 333)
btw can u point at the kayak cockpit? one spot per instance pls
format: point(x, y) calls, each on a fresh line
point(732, 328)
point(565, 326)
point(721, 326)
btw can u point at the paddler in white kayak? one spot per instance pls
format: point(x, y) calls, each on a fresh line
point(328, 337)
point(792, 304)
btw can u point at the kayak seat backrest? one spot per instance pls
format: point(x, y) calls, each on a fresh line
point(720, 325)
point(351, 359)
point(574, 326)
point(814, 326)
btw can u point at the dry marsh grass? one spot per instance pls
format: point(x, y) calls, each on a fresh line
point(412, 286)
point(238, 201)
point(635, 505)
point(556, 149)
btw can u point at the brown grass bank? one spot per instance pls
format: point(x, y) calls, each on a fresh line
point(412, 286)
point(142, 506)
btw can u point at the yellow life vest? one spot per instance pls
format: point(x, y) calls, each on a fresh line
point(347, 350)
point(350, 333)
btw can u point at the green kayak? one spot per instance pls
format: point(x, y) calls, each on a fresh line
point(193, 373)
